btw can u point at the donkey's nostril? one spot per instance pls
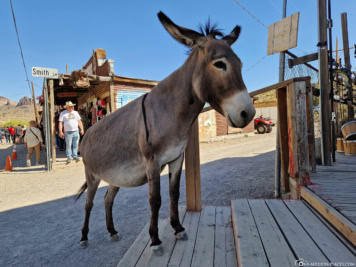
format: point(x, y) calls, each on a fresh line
point(244, 115)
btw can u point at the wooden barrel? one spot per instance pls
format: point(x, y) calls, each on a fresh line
point(350, 147)
point(340, 145)
point(349, 130)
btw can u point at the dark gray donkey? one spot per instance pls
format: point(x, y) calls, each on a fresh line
point(131, 146)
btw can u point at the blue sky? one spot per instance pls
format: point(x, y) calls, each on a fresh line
point(56, 33)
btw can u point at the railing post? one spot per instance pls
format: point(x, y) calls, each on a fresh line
point(192, 170)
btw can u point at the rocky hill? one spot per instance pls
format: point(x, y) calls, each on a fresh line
point(7, 102)
point(25, 101)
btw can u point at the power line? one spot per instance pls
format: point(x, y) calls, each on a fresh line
point(255, 64)
point(250, 14)
point(18, 39)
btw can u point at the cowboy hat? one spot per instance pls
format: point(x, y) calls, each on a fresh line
point(69, 104)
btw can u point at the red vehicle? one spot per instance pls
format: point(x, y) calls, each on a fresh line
point(263, 125)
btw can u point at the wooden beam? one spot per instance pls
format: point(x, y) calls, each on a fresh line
point(302, 60)
point(310, 122)
point(52, 121)
point(192, 170)
point(306, 64)
point(342, 224)
point(112, 97)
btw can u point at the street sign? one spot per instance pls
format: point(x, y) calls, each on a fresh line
point(44, 72)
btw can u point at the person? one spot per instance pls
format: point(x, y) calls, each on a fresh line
point(7, 134)
point(2, 134)
point(18, 133)
point(69, 119)
point(33, 141)
point(12, 133)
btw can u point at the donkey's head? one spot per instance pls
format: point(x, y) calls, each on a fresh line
point(216, 71)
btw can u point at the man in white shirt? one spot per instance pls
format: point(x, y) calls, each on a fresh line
point(70, 119)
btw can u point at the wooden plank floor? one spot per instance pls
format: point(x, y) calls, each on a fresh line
point(337, 185)
point(278, 233)
point(210, 242)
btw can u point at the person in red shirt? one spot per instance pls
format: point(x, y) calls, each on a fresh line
point(12, 133)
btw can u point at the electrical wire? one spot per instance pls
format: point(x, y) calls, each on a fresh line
point(251, 14)
point(18, 39)
point(255, 64)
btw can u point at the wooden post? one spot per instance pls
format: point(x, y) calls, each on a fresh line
point(192, 170)
point(297, 137)
point(112, 100)
point(310, 121)
point(66, 68)
point(345, 41)
point(35, 106)
point(283, 137)
point(52, 121)
point(324, 85)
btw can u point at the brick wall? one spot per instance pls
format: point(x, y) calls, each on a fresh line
point(221, 124)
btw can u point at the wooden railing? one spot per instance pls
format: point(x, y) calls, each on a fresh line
point(296, 136)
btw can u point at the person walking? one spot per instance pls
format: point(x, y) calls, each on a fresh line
point(33, 141)
point(18, 133)
point(69, 119)
point(2, 134)
point(7, 135)
point(12, 133)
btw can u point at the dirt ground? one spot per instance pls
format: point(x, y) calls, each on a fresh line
point(40, 224)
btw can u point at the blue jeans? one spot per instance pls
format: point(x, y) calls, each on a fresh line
point(72, 139)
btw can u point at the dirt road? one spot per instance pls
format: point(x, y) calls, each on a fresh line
point(40, 224)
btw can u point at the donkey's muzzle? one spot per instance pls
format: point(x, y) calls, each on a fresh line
point(239, 110)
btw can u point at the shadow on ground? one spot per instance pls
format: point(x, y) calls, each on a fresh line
point(48, 234)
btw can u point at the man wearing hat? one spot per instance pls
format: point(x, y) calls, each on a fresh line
point(70, 119)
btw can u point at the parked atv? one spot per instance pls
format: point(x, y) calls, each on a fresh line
point(262, 125)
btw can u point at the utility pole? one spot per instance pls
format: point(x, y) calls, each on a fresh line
point(324, 84)
point(333, 119)
point(277, 161)
point(35, 106)
point(345, 40)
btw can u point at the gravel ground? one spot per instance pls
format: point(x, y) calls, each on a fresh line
point(40, 224)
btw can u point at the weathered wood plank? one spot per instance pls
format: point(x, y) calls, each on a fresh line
point(347, 228)
point(346, 242)
point(231, 258)
point(331, 246)
point(303, 246)
point(249, 248)
point(277, 250)
point(220, 238)
point(204, 247)
point(183, 251)
point(146, 254)
point(134, 253)
point(168, 241)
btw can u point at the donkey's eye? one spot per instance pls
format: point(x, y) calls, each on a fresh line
point(220, 65)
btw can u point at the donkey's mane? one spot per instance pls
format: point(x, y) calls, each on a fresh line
point(210, 28)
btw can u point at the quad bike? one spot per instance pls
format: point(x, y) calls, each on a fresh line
point(262, 125)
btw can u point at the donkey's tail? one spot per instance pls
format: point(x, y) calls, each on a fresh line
point(81, 191)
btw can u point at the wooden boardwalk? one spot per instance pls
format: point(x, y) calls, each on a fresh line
point(337, 185)
point(266, 233)
point(279, 233)
point(210, 242)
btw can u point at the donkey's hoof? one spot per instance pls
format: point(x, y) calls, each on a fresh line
point(84, 243)
point(182, 235)
point(157, 250)
point(115, 237)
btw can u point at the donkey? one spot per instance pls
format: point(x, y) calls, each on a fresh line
point(131, 146)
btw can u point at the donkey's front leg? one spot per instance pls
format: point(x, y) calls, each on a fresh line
point(175, 170)
point(153, 175)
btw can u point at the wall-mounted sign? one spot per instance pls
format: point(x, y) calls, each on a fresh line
point(70, 94)
point(44, 72)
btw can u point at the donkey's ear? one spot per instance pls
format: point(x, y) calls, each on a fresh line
point(232, 37)
point(183, 35)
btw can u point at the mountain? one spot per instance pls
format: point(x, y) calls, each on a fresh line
point(24, 101)
point(7, 102)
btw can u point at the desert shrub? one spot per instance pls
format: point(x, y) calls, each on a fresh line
point(15, 123)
